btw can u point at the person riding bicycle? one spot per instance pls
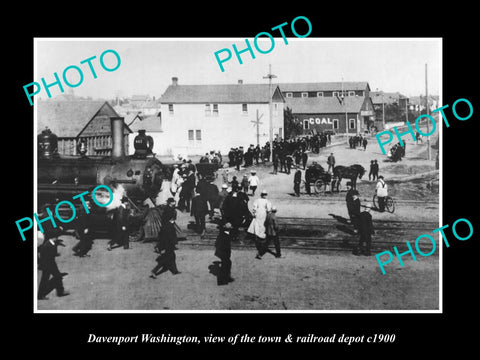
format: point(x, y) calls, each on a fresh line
point(382, 193)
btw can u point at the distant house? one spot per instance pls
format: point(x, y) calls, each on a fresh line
point(342, 107)
point(417, 103)
point(138, 104)
point(200, 118)
point(76, 120)
point(388, 98)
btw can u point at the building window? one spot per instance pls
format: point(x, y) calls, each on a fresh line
point(305, 124)
point(304, 94)
point(244, 109)
point(198, 135)
point(170, 108)
point(335, 124)
point(190, 135)
point(215, 109)
point(351, 123)
point(320, 94)
point(351, 93)
point(289, 95)
point(275, 109)
point(208, 110)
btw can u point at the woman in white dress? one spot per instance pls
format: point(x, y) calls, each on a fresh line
point(261, 207)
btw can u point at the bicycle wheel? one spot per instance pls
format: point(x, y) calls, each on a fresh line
point(390, 204)
point(375, 201)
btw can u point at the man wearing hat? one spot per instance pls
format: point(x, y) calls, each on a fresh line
point(365, 231)
point(331, 162)
point(253, 181)
point(353, 204)
point(223, 251)
point(166, 245)
point(51, 276)
point(297, 179)
point(271, 227)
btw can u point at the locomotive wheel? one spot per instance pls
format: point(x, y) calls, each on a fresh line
point(318, 186)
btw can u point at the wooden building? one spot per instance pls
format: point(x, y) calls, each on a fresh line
point(79, 120)
point(199, 118)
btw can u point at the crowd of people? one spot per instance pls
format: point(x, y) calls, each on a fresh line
point(190, 192)
point(397, 152)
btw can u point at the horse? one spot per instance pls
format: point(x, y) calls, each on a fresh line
point(350, 172)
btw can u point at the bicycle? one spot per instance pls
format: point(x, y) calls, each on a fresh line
point(389, 203)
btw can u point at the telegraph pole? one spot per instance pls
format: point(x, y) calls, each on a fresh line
point(270, 76)
point(427, 109)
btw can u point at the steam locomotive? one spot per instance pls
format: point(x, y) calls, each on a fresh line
point(61, 177)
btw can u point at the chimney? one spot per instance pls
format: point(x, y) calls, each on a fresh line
point(240, 82)
point(174, 81)
point(118, 147)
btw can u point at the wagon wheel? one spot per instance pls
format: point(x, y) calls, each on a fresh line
point(302, 185)
point(390, 204)
point(318, 186)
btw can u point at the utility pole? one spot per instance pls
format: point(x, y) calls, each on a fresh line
point(346, 116)
point(427, 109)
point(270, 76)
point(257, 122)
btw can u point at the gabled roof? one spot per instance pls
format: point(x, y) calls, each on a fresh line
point(380, 97)
point(235, 93)
point(149, 123)
point(324, 86)
point(325, 105)
point(68, 118)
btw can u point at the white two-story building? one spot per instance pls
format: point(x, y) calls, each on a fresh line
point(196, 119)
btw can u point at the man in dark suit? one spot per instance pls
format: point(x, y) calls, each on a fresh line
point(365, 231)
point(223, 251)
point(297, 179)
point(353, 205)
point(51, 275)
point(199, 211)
point(84, 231)
point(167, 242)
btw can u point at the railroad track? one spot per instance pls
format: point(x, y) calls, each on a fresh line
point(327, 198)
point(319, 235)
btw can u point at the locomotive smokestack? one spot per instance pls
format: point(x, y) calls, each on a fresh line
point(118, 147)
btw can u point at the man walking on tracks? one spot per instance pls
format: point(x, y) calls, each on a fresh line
point(167, 242)
point(223, 250)
point(382, 193)
point(199, 211)
point(353, 205)
point(51, 276)
point(365, 230)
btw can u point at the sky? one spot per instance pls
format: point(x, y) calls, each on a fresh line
point(148, 65)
